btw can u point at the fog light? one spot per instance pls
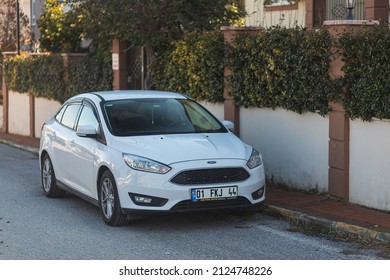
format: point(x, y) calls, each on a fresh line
point(144, 200)
point(141, 199)
point(258, 194)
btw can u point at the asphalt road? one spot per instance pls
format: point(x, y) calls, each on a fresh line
point(35, 227)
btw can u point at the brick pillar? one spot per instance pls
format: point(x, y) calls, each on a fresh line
point(338, 173)
point(66, 59)
point(31, 99)
point(4, 90)
point(6, 55)
point(309, 15)
point(119, 64)
point(377, 10)
point(232, 111)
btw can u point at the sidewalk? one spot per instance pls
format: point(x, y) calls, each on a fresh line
point(295, 206)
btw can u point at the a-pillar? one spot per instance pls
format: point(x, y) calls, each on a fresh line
point(339, 140)
point(119, 64)
point(231, 110)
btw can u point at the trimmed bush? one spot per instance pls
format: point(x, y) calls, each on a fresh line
point(282, 67)
point(44, 76)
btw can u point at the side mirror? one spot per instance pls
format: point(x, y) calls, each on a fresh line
point(229, 125)
point(86, 131)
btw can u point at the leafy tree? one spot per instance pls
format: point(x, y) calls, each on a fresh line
point(8, 27)
point(8, 31)
point(60, 30)
point(152, 23)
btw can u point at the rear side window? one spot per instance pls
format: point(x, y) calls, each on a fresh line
point(70, 114)
point(61, 113)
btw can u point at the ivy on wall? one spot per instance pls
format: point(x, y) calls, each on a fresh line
point(89, 74)
point(44, 76)
point(16, 74)
point(282, 67)
point(193, 66)
point(367, 71)
point(279, 67)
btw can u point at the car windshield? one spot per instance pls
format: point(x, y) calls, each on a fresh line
point(148, 116)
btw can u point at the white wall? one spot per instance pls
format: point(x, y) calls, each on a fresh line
point(19, 118)
point(44, 110)
point(32, 9)
point(217, 109)
point(294, 147)
point(19, 113)
point(369, 182)
point(257, 16)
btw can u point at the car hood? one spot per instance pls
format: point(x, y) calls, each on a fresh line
point(175, 148)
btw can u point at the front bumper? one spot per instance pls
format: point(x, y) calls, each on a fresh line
point(149, 192)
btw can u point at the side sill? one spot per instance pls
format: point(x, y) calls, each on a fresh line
point(77, 193)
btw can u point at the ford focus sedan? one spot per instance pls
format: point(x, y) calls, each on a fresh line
point(147, 151)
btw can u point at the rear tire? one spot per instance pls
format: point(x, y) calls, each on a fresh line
point(48, 179)
point(109, 201)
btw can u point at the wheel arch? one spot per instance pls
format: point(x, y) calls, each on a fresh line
point(42, 156)
point(100, 173)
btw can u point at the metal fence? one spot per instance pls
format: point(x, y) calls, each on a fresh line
point(337, 9)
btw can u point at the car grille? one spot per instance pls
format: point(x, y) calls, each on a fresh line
point(189, 205)
point(210, 176)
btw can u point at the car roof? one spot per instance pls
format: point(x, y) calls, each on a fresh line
point(129, 94)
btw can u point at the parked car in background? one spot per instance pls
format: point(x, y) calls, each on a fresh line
point(147, 151)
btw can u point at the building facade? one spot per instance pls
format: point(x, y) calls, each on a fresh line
point(32, 9)
point(311, 13)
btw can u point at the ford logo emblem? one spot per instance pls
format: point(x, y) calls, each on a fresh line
point(211, 162)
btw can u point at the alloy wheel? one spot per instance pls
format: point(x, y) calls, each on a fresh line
point(47, 173)
point(107, 198)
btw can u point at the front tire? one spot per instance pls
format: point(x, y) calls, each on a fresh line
point(109, 201)
point(48, 179)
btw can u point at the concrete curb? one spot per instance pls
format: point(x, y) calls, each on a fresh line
point(301, 218)
point(20, 146)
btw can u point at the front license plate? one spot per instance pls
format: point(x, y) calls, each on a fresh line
point(214, 193)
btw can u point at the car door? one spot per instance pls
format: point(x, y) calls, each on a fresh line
point(85, 153)
point(62, 128)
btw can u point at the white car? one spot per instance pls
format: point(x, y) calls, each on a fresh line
point(148, 151)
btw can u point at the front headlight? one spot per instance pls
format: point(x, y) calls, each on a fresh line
point(145, 164)
point(254, 160)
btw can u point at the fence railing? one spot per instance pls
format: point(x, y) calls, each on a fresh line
point(336, 9)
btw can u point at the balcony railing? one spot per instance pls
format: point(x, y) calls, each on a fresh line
point(336, 10)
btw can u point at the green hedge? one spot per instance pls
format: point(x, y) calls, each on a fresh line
point(89, 74)
point(16, 73)
point(278, 67)
point(367, 72)
point(44, 76)
point(193, 66)
point(282, 67)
